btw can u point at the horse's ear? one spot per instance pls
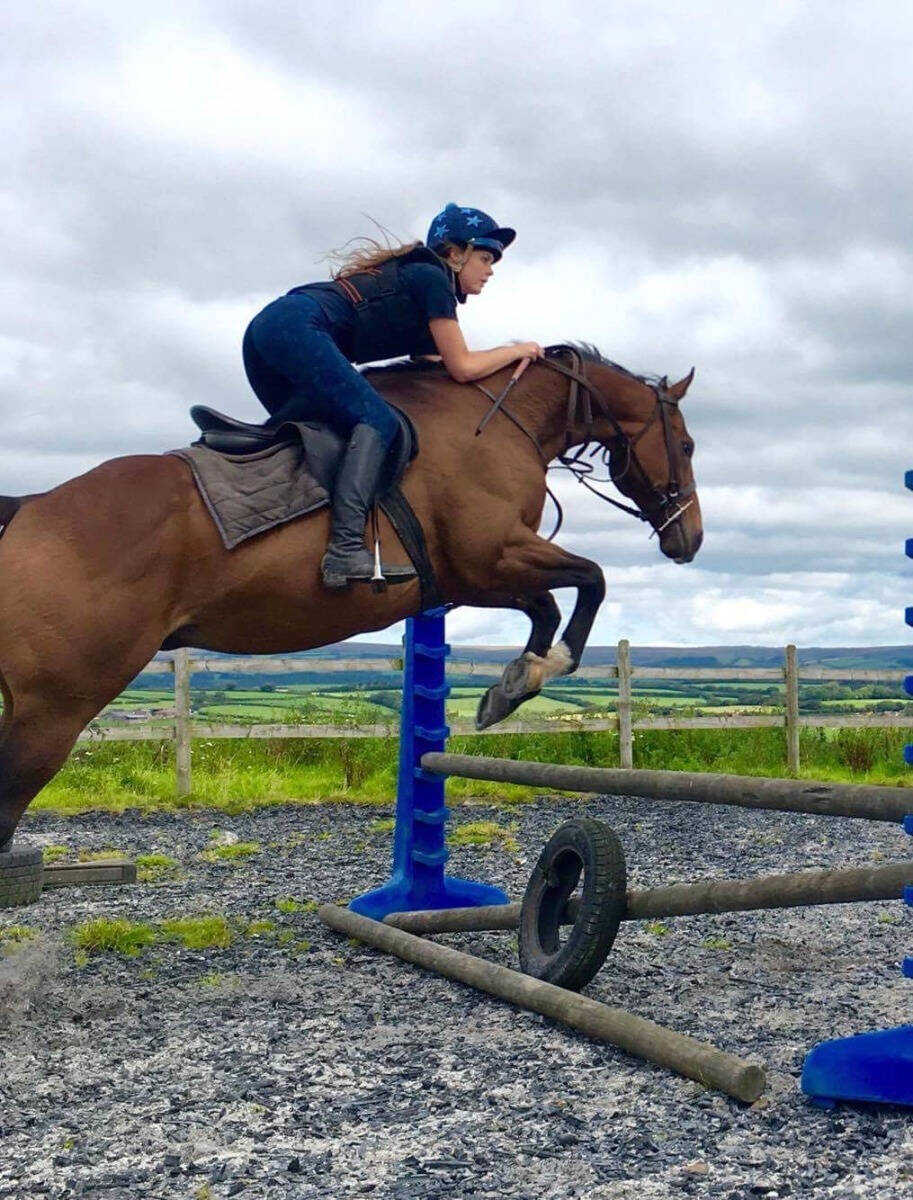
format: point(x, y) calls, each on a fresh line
point(678, 390)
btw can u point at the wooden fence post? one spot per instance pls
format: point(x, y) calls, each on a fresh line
point(792, 710)
point(625, 731)
point(181, 667)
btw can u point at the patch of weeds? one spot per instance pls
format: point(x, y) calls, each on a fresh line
point(14, 937)
point(204, 1192)
point(386, 825)
point(322, 837)
point(54, 854)
point(99, 855)
point(153, 868)
point(198, 933)
point(114, 936)
point(289, 905)
point(302, 947)
point(716, 943)
point(212, 979)
point(285, 937)
point(233, 852)
point(656, 928)
point(256, 928)
point(484, 834)
point(887, 918)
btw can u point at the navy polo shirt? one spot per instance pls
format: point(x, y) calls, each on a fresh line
point(427, 284)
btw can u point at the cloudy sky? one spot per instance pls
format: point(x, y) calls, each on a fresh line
point(720, 184)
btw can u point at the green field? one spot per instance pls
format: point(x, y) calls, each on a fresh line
point(317, 704)
point(239, 774)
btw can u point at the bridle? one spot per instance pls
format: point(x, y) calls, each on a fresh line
point(664, 506)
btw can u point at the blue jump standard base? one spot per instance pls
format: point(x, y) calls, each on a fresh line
point(875, 1067)
point(419, 848)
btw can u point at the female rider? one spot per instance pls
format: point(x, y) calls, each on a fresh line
point(383, 303)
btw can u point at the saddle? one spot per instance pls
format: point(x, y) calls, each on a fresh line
point(323, 446)
point(242, 442)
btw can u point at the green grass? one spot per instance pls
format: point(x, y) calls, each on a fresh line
point(154, 868)
point(233, 852)
point(198, 933)
point(234, 776)
point(289, 905)
point(14, 937)
point(482, 833)
point(112, 935)
point(117, 935)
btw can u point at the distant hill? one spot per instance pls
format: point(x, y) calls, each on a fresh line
point(842, 657)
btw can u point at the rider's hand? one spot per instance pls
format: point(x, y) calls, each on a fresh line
point(529, 350)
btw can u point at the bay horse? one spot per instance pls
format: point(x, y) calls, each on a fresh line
point(99, 573)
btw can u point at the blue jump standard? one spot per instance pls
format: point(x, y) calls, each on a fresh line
point(419, 848)
point(875, 1067)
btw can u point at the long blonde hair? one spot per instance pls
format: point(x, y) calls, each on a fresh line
point(371, 253)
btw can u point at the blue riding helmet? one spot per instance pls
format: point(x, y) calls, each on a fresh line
point(470, 227)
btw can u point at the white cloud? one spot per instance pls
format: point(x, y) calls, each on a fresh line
point(718, 186)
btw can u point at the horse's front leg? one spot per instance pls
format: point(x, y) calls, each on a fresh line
point(531, 567)
point(501, 699)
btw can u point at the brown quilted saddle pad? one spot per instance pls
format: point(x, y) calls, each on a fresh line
point(247, 494)
point(253, 478)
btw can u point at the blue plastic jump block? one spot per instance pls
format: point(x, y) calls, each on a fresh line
point(438, 816)
point(430, 858)
point(432, 651)
point(908, 757)
point(908, 480)
point(908, 615)
point(908, 825)
point(908, 547)
point(908, 684)
point(907, 968)
point(442, 692)
point(875, 1068)
point(441, 734)
point(426, 776)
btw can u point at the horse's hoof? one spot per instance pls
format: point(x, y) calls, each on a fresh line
point(522, 677)
point(495, 705)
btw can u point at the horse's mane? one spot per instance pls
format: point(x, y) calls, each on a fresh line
point(587, 351)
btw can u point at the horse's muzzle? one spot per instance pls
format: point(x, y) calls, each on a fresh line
point(679, 543)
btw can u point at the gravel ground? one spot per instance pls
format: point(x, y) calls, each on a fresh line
point(271, 1070)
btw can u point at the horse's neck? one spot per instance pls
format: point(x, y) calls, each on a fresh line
point(542, 406)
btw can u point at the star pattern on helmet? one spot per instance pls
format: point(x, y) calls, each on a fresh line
point(440, 230)
point(473, 220)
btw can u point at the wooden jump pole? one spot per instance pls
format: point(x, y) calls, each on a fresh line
point(862, 801)
point(712, 1067)
point(850, 885)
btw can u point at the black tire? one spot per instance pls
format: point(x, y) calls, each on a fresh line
point(570, 960)
point(21, 876)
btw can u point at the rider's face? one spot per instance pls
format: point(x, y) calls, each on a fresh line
point(475, 271)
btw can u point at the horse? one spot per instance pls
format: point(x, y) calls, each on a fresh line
point(100, 573)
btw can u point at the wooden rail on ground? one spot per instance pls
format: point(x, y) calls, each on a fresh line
point(182, 729)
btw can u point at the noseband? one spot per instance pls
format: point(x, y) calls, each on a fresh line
point(665, 505)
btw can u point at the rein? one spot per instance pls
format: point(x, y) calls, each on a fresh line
point(583, 393)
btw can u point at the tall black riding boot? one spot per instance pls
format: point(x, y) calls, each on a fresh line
point(346, 558)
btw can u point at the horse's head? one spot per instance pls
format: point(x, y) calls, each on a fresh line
point(652, 465)
point(640, 427)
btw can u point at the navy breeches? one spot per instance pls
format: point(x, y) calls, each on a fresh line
point(300, 374)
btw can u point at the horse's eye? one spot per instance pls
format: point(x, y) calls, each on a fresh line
point(687, 449)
